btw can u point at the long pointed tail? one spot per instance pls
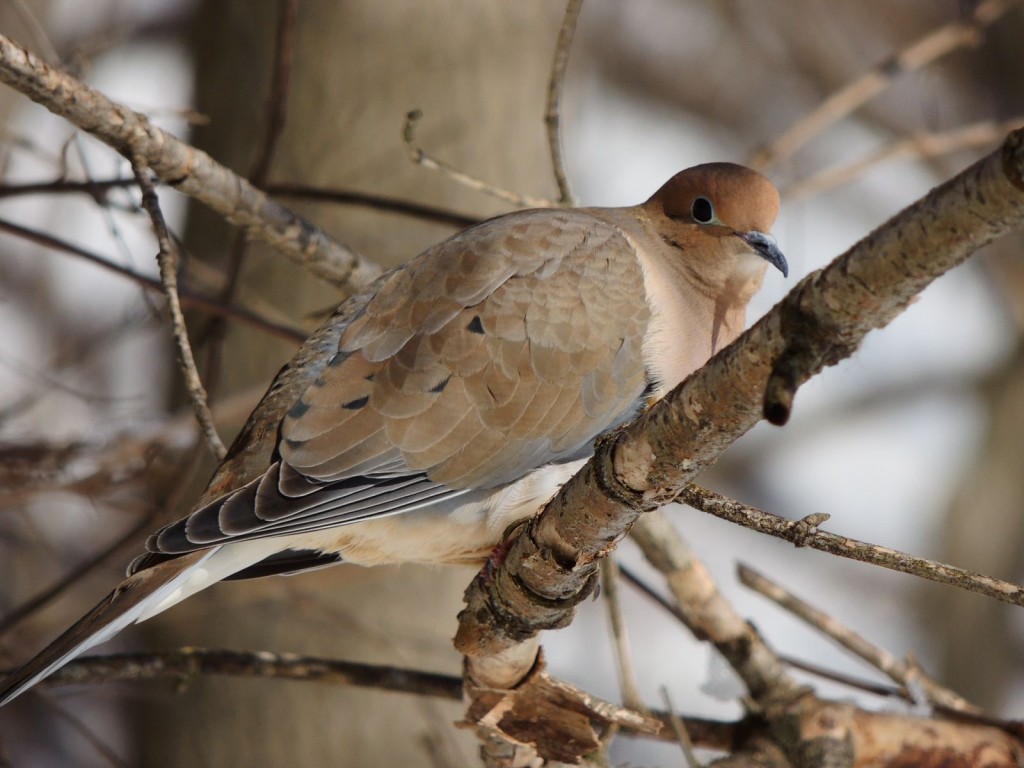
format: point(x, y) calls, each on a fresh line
point(136, 598)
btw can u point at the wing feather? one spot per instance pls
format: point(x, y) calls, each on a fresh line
point(510, 346)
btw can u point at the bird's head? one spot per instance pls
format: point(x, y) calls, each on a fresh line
point(720, 214)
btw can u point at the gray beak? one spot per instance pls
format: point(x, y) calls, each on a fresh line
point(766, 246)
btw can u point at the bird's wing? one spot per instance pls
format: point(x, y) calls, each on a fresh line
point(508, 347)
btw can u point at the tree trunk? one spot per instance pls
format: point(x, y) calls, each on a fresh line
point(479, 73)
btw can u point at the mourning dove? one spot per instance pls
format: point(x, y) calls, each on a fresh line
point(460, 391)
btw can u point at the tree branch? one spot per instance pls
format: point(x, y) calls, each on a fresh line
point(168, 263)
point(806, 533)
point(550, 565)
point(552, 112)
point(187, 663)
point(183, 167)
point(962, 33)
point(906, 674)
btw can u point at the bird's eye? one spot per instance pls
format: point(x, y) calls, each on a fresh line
point(702, 210)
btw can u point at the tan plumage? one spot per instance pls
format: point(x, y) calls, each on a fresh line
point(457, 394)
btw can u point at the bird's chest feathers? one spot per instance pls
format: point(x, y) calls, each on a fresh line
point(685, 329)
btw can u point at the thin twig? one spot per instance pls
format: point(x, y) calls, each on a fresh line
point(552, 113)
point(186, 663)
point(907, 675)
point(418, 156)
point(679, 729)
point(277, 101)
point(963, 33)
point(805, 533)
point(628, 684)
point(374, 202)
point(168, 263)
point(842, 678)
point(188, 296)
point(274, 120)
point(276, 111)
point(980, 135)
point(94, 189)
point(184, 167)
point(98, 189)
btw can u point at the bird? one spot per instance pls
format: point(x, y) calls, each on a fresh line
point(453, 396)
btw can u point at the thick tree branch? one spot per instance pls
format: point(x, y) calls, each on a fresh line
point(183, 167)
point(550, 566)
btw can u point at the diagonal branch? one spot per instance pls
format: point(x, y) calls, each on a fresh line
point(550, 566)
point(552, 111)
point(183, 167)
point(807, 533)
point(901, 671)
point(939, 42)
point(168, 263)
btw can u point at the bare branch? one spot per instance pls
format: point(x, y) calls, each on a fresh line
point(168, 263)
point(679, 729)
point(711, 617)
point(628, 684)
point(375, 202)
point(928, 145)
point(188, 297)
point(418, 156)
point(806, 533)
point(277, 101)
point(948, 38)
point(552, 112)
point(183, 167)
point(186, 663)
point(907, 675)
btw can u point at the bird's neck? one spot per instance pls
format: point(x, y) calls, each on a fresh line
point(690, 321)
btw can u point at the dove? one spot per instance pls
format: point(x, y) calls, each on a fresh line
point(456, 394)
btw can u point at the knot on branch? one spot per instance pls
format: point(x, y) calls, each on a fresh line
point(507, 606)
point(617, 469)
point(811, 343)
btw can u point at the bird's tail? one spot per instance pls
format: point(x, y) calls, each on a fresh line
point(137, 598)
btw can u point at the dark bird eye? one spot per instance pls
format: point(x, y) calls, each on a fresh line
point(702, 210)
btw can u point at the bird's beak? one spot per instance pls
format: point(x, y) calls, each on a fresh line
point(766, 246)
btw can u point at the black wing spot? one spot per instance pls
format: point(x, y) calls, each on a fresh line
point(299, 409)
point(355, 405)
point(437, 390)
point(475, 325)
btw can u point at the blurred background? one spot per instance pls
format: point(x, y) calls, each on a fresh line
point(915, 443)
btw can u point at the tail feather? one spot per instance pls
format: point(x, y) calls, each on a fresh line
point(139, 597)
point(124, 606)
